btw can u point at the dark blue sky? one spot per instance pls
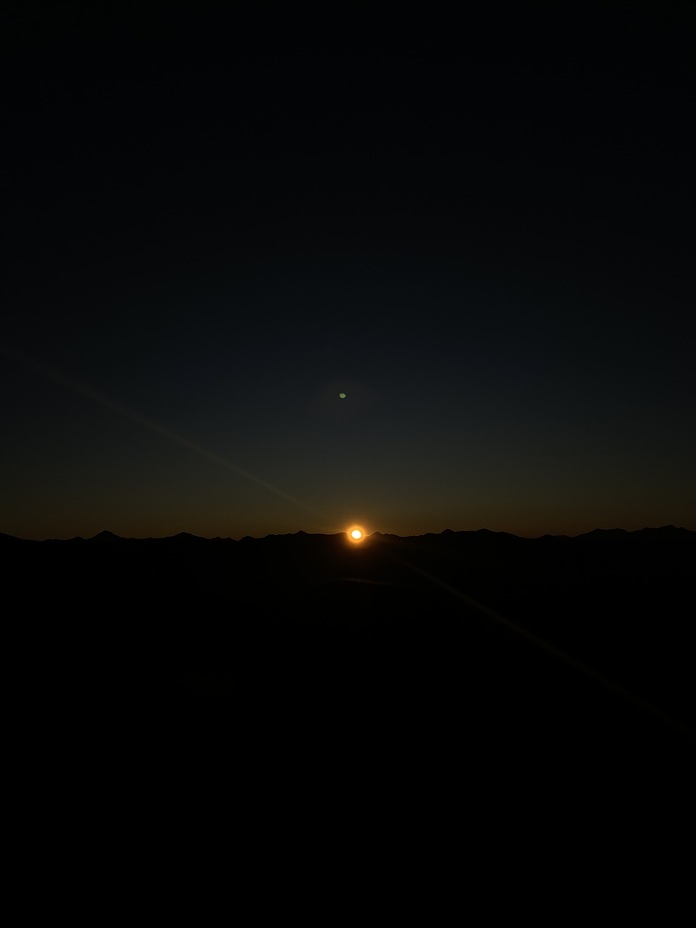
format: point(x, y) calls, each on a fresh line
point(483, 235)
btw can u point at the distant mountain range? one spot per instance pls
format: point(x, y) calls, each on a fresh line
point(664, 532)
point(392, 649)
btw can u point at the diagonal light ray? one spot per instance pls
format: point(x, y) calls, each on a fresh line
point(555, 652)
point(83, 390)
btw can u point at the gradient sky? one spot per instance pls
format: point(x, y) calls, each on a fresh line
point(481, 231)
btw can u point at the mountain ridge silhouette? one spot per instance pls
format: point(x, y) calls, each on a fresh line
point(571, 638)
point(106, 536)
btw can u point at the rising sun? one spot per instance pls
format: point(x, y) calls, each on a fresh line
point(356, 534)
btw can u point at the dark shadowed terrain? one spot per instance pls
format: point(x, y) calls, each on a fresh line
point(408, 699)
point(390, 652)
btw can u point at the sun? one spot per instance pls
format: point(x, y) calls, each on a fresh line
point(356, 534)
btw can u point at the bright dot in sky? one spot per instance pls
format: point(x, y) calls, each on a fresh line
point(356, 533)
point(342, 395)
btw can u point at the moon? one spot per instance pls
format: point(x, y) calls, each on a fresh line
point(342, 395)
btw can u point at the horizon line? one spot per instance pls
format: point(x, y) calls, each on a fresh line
point(446, 531)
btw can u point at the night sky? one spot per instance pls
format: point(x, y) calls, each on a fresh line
point(481, 230)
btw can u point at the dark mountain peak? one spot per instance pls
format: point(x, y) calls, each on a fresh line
point(495, 536)
point(604, 534)
point(106, 538)
point(184, 538)
point(665, 533)
point(664, 530)
point(11, 539)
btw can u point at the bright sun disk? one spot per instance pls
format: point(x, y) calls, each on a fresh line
point(355, 534)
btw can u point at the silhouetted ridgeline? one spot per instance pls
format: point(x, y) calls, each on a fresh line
point(430, 635)
point(593, 574)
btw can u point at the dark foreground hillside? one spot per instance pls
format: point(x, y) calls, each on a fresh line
point(421, 667)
